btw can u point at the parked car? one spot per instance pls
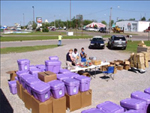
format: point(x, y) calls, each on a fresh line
point(97, 42)
point(91, 29)
point(103, 30)
point(117, 41)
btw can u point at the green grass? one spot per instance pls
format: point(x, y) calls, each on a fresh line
point(45, 33)
point(39, 33)
point(40, 38)
point(25, 49)
point(132, 46)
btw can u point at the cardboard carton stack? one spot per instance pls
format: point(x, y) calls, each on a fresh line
point(139, 60)
point(12, 75)
point(143, 48)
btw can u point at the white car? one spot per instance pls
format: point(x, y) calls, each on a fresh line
point(92, 29)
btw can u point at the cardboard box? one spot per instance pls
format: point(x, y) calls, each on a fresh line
point(86, 98)
point(27, 100)
point(86, 74)
point(59, 105)
point(19, 90)
point(96, 62)
point(103, 68)
point(119, 67)
point(115, 70)
point(22, 92)
point(119, 62)
point(12, 74)
point(126, 67)
point(73, 102)
point(41, 107)
point(126, 62)
point(47, 76)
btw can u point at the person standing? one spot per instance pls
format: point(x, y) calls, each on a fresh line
point(69, 59)
point(83, 55)
point(59, 39)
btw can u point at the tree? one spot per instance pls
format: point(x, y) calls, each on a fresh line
point(104, 22)
point(112, 22)
point(149, 19)
point(143, 19)
point(132, 19)
point(34, 25)
point(120, 20)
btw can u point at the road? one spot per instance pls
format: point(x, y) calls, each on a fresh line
point(65, 41)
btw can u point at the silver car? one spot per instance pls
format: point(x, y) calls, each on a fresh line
point(118, 41)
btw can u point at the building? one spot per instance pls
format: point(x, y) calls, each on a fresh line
point(133, 26)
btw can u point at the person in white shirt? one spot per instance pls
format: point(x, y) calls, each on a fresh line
point(75, 55)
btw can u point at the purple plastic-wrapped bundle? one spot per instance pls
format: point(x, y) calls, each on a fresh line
point(41, 67)
point(31, 67)
point(72, 75)
point(57, 88)
point(35, 72)
point(72, 86)
point(20, 73)
point(13, 87)
point(84, 83)
point(16, 78)
point(110, 107)
point(53, 66)
point(142, 96)
point(29, 82)
point(147, 90)
point(64, 71)
point(132, 111)
point(62, 77)
point(53, 58)
point(24, 78)
point(41, 91)
point(93, 110)
point(134, 104)
point(23, 64)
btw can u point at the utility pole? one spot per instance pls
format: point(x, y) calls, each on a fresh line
point(54, 20)
point(110, 20)
point(70, 15)
point(23, 21)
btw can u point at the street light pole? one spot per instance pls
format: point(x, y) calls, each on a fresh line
point(110, 20)
point(33, 15)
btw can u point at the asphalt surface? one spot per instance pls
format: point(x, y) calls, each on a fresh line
point(138, 37)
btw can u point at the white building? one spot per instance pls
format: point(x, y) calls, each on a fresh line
point(133, 26)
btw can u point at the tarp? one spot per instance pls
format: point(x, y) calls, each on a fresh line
point(99, 25)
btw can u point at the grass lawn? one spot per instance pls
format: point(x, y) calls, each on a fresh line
point(132, 46)
point(25, 49)
point(45, 33)
point(40, 38)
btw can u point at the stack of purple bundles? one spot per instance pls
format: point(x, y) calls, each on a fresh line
point(13, 87)
point(57, 88)
point(23, 64)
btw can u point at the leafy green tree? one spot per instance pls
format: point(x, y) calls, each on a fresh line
point(112, 22)
point(143, 19)
point(95, 26)
point(132, 19)
point(149, 19)
point(34, 25)
point(120, 20)
point(103, 22)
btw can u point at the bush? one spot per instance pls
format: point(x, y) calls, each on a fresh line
point(45, 30)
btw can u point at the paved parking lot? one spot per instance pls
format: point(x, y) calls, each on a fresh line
point(114, 90)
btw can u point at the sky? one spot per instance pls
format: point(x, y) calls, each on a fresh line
point(12, 11)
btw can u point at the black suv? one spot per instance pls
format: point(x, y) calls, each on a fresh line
point(117, 41)
point(97, 42)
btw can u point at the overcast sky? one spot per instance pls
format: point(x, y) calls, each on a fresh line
point(12, 11)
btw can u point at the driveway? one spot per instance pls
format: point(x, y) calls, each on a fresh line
point(114, 90)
